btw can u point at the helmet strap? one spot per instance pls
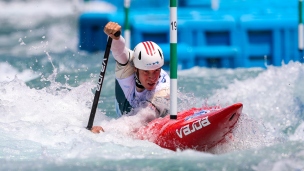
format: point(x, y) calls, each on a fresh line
point(137, 82)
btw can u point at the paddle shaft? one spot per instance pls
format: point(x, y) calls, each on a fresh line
point(100, 80)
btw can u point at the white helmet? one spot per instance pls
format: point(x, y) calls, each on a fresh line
point(148, 56)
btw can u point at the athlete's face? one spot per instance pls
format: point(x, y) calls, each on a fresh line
point(149, 78)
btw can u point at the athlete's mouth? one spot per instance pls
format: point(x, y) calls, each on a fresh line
point(151, 84)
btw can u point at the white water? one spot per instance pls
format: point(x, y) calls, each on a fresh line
point(8, 73)
point(49, 123)
point(44, 128)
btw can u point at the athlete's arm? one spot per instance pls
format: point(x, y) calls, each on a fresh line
point(119, 51)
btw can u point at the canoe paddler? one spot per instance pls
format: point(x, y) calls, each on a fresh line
point(139, 77)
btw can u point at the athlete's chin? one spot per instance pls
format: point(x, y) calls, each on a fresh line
point(150, 87)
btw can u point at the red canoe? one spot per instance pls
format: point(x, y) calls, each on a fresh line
point(197, 128)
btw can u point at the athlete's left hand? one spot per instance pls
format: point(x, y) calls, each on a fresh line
point(111, 28)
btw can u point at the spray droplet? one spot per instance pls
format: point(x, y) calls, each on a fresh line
point(21, 41)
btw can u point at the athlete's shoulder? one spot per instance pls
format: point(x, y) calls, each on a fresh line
point(164, 80)
point(163, 72)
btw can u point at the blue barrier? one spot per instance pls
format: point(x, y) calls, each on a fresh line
point(264, 36)
point(209, 37)
point(195, 3)
point(242, 33)
point(150, 27)
point(91, 25)
point(212, 37)
point(91, 35)
point(185, 55)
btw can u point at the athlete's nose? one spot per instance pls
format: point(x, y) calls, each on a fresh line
point(152, 77)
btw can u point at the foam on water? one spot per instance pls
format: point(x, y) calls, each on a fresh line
point(35, 31)
point(49, 123)
point(273, 106)
point(274, 95)
point(8, 73)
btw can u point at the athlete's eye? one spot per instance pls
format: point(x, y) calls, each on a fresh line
point(157, 70)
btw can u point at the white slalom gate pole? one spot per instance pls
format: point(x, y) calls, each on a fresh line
point(127, 32)
point(173, 59)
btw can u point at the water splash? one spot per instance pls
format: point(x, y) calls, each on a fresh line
point(8, 73)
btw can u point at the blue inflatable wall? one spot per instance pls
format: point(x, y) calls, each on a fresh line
point(238, 33)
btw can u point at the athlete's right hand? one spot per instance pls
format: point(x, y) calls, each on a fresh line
point(161, 100)
point(111, 28)
point(97, 129)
